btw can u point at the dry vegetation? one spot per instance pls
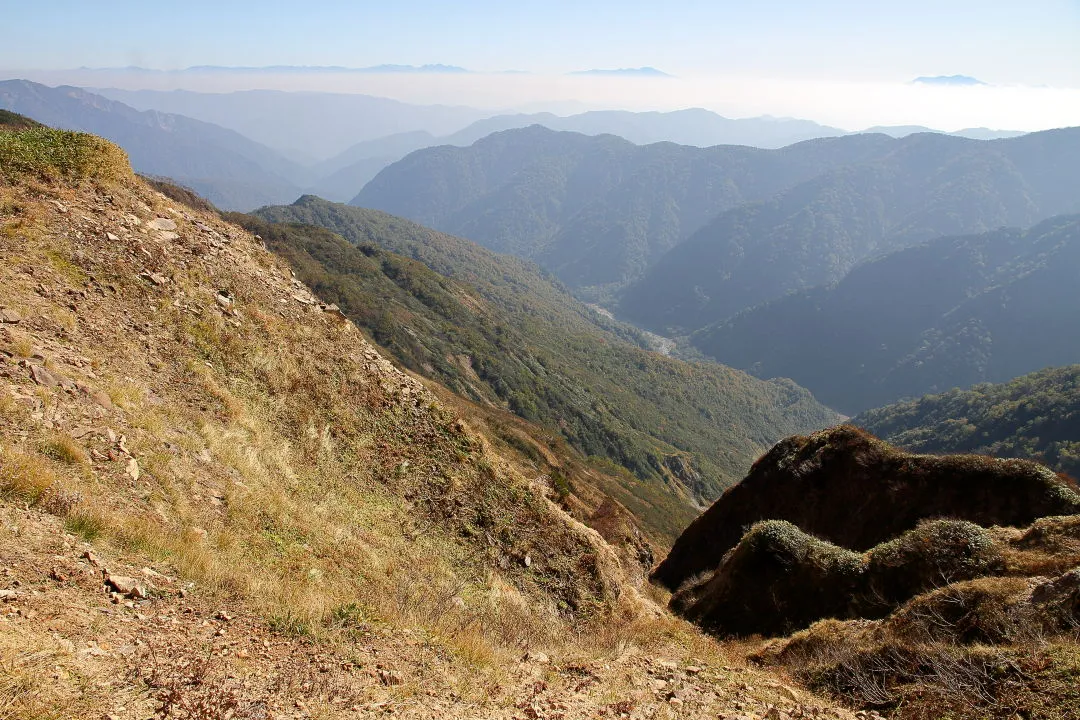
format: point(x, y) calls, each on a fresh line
point(946, 620)
point(315, 534)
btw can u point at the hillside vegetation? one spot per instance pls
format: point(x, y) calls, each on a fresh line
point(948, 313)
point(919, 586)
point(1036, 416)
point(841, 468)
point(218, 500)
point(10, 121)
point(498, 330)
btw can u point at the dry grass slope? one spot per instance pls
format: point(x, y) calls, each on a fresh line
point(318, 535)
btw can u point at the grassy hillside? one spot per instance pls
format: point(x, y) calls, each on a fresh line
point(916, 586)
point(1036, 416)
point(497, 330)
point(815, 232)
point(949, 313)
point(219, 500)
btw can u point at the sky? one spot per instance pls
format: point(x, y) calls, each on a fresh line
point(740, 56)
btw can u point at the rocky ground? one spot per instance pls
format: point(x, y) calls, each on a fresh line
point(73, 646)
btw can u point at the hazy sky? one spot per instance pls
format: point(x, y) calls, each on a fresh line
point(844, 63)
point(1034, 42)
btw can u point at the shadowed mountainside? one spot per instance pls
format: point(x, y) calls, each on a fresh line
point(948, 313)
point(925, 186)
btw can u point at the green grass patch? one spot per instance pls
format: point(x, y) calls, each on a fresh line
point(53, 154)
point(88, 527)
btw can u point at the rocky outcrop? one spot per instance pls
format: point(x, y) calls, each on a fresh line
point(844, 486)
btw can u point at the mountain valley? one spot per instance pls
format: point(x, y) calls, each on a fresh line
point(497, 329)
point(219, 500)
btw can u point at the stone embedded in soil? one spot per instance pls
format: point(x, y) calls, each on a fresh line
point(101, 399)
point(389, 677)
point(7, 315)
point(126, 586)
point(43, 377)
point(162, 224)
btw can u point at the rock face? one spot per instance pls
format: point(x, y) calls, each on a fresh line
point(846, 487)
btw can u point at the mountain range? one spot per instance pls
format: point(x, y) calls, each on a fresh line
point(915, 189)
point(699, 234)
point(596, 211)
point(310, 126)
point(335, 131)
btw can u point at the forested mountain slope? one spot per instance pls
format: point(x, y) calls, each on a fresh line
point(948, 313)
point(927, 186)
point(498, 330)
point(1035, 416)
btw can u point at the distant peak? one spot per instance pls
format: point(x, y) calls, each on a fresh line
point(948, 80)
point(633, 72)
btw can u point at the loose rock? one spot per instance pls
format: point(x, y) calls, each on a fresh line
point(43, 377)
point(126, 586)
point(162, 224)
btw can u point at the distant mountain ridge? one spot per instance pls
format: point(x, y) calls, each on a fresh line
point(347, 139)
point(924, 186)
point(625, 72)
point(693, 126)
point(386, 68)
point(317, 125)
point(955, 80)
point(596, 211)
point(226, 167)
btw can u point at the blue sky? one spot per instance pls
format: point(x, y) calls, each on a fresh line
point(1026, 43)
